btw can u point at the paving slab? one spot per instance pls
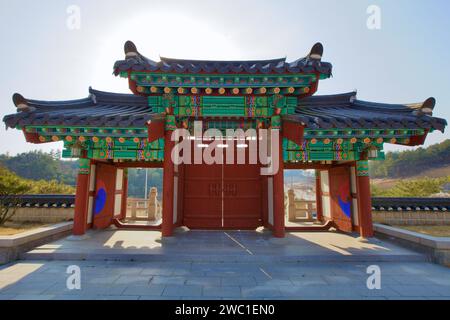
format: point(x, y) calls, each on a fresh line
point(144, 290)
point(222, 292)
point(183, 291)
point(118, 264)
point(221, 246)
point(399, 280)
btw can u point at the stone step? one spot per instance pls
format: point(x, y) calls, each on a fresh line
point(173, 256)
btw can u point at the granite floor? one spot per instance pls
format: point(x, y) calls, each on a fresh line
point(221, 246)
point(211, 280)
point(118, 264)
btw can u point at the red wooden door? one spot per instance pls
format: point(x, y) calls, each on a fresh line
point(104, 196)
point(224, 196)
point(202, 207)
point(242, 197)
point(341, 200)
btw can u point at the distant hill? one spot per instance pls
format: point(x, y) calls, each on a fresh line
point(38, 165)
point(41, 166)
point(433, 161)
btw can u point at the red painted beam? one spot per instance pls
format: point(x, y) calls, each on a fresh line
point(168, 186)
point(278, 196)
point(123, 208)
point(293, 131)
point(318, 197)
point(155, 130)
point(364, 206)
point(81, 204)
point(139, 164)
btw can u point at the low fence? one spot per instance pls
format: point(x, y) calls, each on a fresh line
point(408, 211)
point(149, 209)
point(42, 208)
point(411, 211)
point(49, 208)
point(300, 210)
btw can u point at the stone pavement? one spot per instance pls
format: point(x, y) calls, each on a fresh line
point(213, 280)
point(118, 264)
point(221, 246)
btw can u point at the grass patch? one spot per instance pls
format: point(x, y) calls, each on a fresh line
point(12, 228)
point(435, 231)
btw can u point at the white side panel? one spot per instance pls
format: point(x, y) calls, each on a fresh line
point(90, 209)
point(92, 178)
point(355, 217)
point(270, 199)
point(91, 200)
point(324, 181)
point(119, 179)
point(175, 199)
point(353, 178)
point(326, 206)
point(117, 204)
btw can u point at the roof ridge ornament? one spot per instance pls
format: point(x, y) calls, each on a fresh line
point(424, 108)
point(21, 103)
point(428, 106)
point(92, 95)
point(130, 49)
point(316, 52)
point(353, 97)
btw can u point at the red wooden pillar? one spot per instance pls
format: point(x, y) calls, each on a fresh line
point(318, 197)
point(278, 195)
point(364, 199)
point(123, 209)
point(81, 198)
point(168, 184)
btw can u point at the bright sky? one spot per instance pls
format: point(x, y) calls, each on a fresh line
point(405, 61)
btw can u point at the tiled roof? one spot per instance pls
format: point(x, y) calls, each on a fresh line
point(98, 109)
point(410, 204)
point(104, 109)
point(345, 111)
point(40, 200)
point(134, 61)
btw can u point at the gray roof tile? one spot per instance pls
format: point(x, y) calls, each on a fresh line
point(345, 111)
point(341, 111)
point(135, 61)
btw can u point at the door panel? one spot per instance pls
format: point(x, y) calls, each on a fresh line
point(104, 196)
point(202, 196)
point(341, 200)
point(242, 196)
point(222, 196)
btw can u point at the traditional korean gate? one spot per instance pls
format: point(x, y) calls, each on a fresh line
point(224, 196)
point(341, 200)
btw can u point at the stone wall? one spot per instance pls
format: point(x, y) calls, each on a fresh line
point(412, 218)
point(43, 214)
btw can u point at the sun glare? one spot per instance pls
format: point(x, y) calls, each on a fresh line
point(160, 34)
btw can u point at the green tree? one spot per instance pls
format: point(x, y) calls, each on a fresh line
point(37, 165)
point(11, 186)
point(424, 187)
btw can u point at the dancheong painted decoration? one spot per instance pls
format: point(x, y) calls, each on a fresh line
point(334, 134)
